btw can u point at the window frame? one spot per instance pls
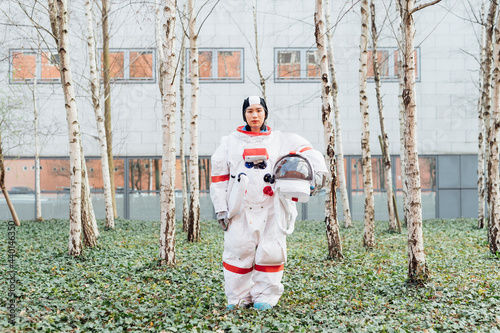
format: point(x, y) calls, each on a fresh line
point(215, 65)
point(393, 77)
point(38, 66)
point(126, 66)
point(303, 65)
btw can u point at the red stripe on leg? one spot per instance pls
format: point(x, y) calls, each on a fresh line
point(270, 269)
point(237, 270)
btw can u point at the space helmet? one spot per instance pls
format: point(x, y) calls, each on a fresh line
point(294, 177)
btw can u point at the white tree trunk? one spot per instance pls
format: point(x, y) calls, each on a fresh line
point(402, 159)
point(101, 130)
point(4, 190)
point(38, 193)
point(340, 150)
point(194, 211)
point(107, 102)
point(262, 80)
point(165, 41)
point(58, 10)
point(369, 229)
point(481, 129)
point(385, 138)
point(182, 151)
point(332, 226)
point(417, 266)
point(486, 94)
point(38, 209)
point(89, 223)
point(150, 171)
point(493, 165)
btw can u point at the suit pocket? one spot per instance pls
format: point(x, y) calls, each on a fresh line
point(271, 252)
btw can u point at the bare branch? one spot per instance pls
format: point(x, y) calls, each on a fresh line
point(422, 6)
point(471, 54)
point(182, 18)
point(30, 16)
point(206, 17)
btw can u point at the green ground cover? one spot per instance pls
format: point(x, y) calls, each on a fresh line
point(117, 286)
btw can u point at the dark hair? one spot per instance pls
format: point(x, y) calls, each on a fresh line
point(248, 129)
point(246, 104)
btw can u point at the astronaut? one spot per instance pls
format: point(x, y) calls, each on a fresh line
point(250, 208)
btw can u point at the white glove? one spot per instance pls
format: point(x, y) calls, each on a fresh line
point(319, 182)
point(223, 220)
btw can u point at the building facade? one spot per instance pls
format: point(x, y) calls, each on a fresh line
point(447, 48)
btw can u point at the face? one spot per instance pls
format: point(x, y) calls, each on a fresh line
point(255, 116)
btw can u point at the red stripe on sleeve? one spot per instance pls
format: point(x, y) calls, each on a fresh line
point(305, 149)
point(270, 269)
point(223, 178)
point(237, 270)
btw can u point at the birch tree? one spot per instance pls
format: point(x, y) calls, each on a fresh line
point(493, 163)
point(4, 190)
point(9, 107)
point(34, 93)
point(194, 209)
point(481, 127)
point(86, 213)
point(380, 105)
point(89, 223)
point(38, 195)
point(417, 266)
point(31, 11)
point(340, 150)
point(101, 130)
point(402, 159)
point(332, 226)
point(486, 93)
point(58, 10)
point(107, 102)
point(165, 41)
point(182, 153)
point(369, 229)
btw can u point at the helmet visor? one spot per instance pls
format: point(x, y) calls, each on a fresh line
point(293, 167)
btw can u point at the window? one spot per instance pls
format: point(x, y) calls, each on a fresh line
point(388, 63)
point(296, 65)
point(129, 66)
point(219, 65)
point(26, 65)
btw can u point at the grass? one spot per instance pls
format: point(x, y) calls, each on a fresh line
point(118, 287)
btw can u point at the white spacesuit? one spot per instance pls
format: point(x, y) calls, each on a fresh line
point(242, 190)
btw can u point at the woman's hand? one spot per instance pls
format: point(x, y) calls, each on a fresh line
point(319, 182)
point(223, 220)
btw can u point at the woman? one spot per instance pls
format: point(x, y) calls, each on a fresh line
point(248, 209)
